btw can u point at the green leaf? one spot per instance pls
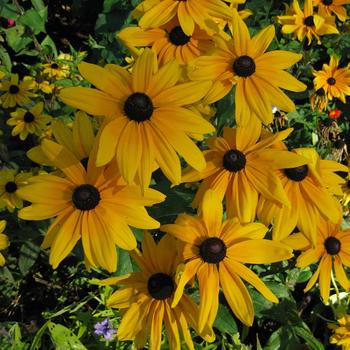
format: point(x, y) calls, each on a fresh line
point(16, 38)
point(124, 263)
point(49, 46)
point(5, 59)
point(306, 335)
point(36, 344)
point(63, 338)
point(33, 20)
point(27, 256)
point(38, 5)
point(224, 321)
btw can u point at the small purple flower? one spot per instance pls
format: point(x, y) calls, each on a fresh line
point(105, 328)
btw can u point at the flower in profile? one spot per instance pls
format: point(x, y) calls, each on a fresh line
point(240, 167)
point(147, 296)
point(309, 188)
point(331, 252)
point(319, 100)
point(56, 69)
point(25, 122)
point(341, 332)
point(258, 75)
point(79, 139)
point(4, 241)
point(105, 329)
point(189, 12)
point(149, 119)
point(333, 80)
point(10, 182)
point(306, 23)
point(15, 92)
point(169, 41)
point(333, 7)
point(216, 252)
point(86, 205)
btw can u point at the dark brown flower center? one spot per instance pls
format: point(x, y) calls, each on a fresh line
point(54, 65)
point(327, 2)
point(331, 81)
point(297, 174)
point(320, 92)
point(212, 250)
point(178, 37)
point(138, 107)
point(332, 245)
point(14, 89)
point(10, 187)
point(28, 117)
point(234, 160)
point(86, 197)
point(244, 66)
point(309, 21)
point(160, 286)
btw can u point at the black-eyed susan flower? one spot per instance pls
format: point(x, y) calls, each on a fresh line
point(10, 182)
point(146, 298)
point(216, 252)
point(240, 167)
point(56, 69)
point(28, 121)
point(79, 139)
point(169, 41)
point(319, 100)
point(307, 23)
point(309, 188)
point(331, 252)
point(189, 12)
point(88, 206)
point(341, 332)
point(333, 80)
point(258, 75)
point(15, 92)
point(4, 241)
point(148, 116)
point(333, 7)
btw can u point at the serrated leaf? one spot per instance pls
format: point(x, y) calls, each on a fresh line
point(225, 322)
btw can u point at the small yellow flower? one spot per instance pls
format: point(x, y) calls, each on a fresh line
point(10, 182)
point(319, 100)
point(333, 80)
point(56, 69)
point(15, 92)
point(31, 121)
point(4, 242)
point(333, 7)
point(341, 333)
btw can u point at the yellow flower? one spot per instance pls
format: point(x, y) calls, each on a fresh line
point(79, 140)
point(15, 92)
point(258, 75)
point(10, 182)
point(331, 251)
point(148, 117)
point(56, 69)
point(307, 23)
point(169, 41)
point(4, 242)
point(333, 6)
point(39, 83)
point(319, 100)
point(333, 80)
point(216, 252)
point(341, 332)
point(31, 121)
point(87, 206)
point(346, 191)
point(241, 167)
point(308, 188)
point(190, 12)
point(146, 297)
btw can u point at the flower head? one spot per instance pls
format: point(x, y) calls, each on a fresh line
point(258, 75)
point(215, 251)
point(56, 69)
point(341, 332)
point(86, 205)
point(29, 121)
point(148, 117)
point(147, 296)
point(333, 7)
point(105, 329)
